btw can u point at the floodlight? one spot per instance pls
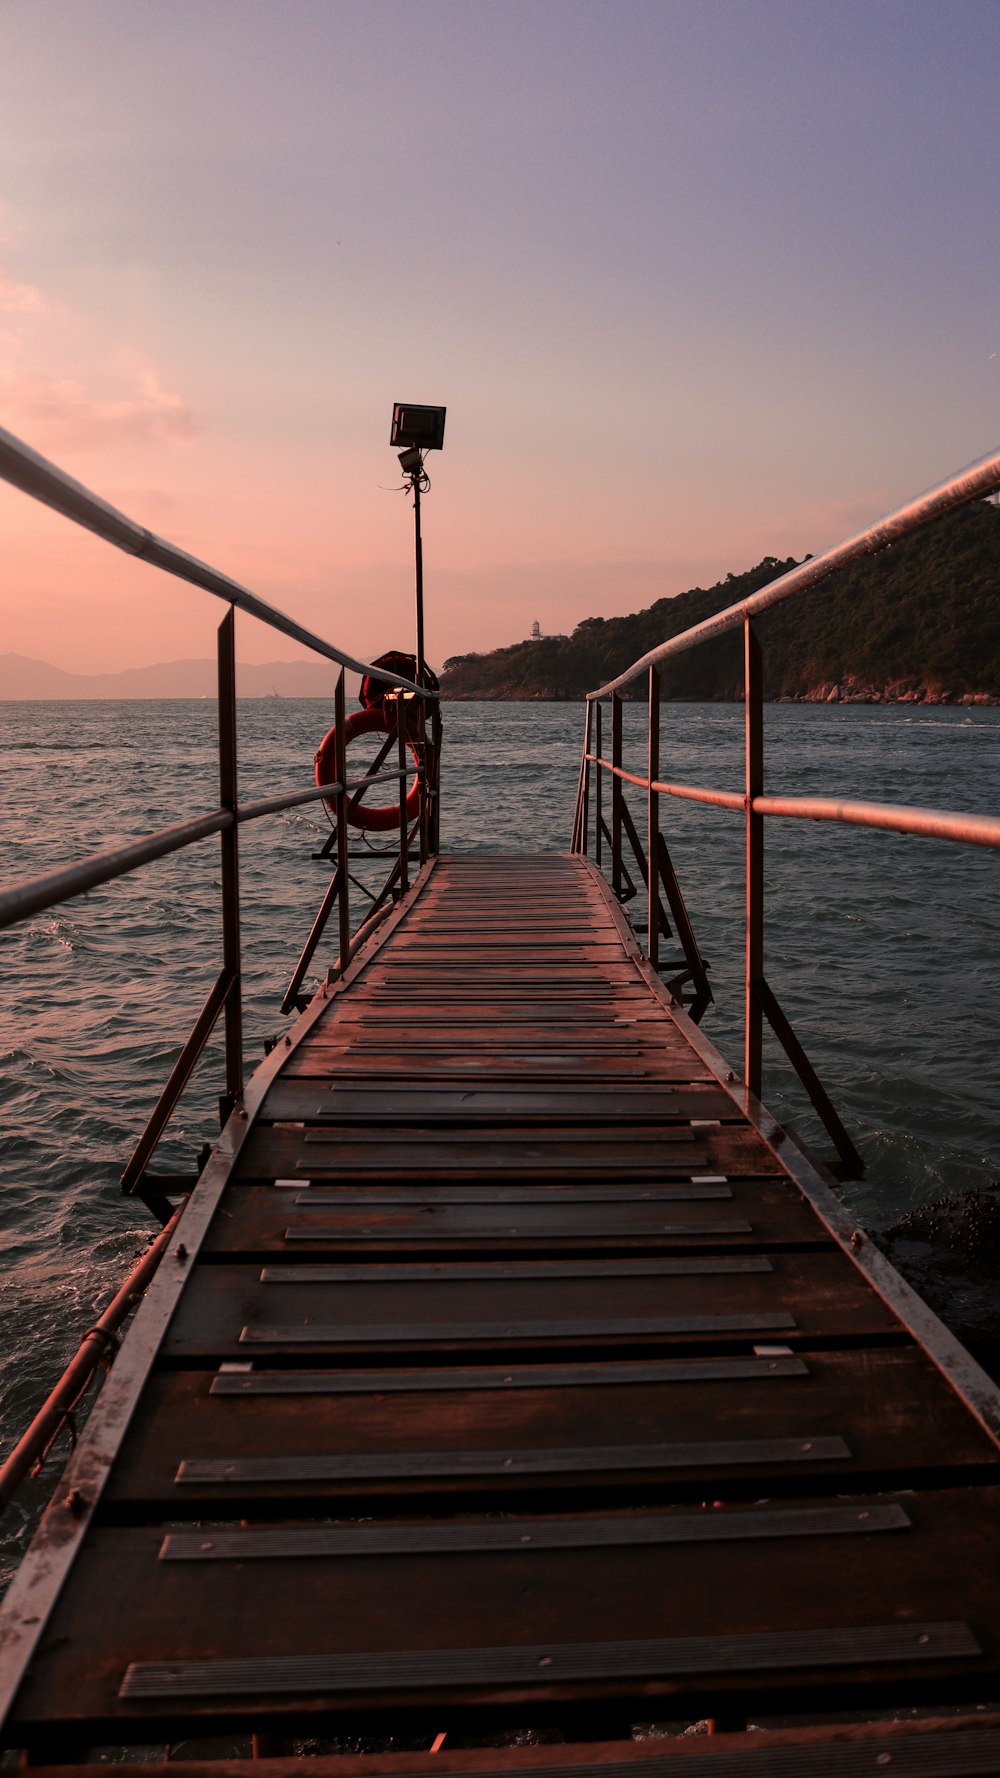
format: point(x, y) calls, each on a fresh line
point(411, 461)
point(422, 427)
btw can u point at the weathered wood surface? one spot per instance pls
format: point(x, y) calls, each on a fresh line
point(516, 1380)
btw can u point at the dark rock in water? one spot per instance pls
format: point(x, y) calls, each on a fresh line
point(949, 1251)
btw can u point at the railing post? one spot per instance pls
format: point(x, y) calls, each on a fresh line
point(754, 716)
point(653, 821)
point(617, 792)
point(404, 863)
point(230, 848)
point(598, 785)
point(425, 781)
point(435, 837)
point(588, 739)
point(343, 904)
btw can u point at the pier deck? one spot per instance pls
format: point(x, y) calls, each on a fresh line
point(509, 1368)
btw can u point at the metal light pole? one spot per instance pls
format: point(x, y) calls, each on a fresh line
point(415, 481)
point(418, 429)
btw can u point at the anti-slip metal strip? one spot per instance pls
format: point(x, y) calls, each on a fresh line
point(547, 1664)
point(307, 1542)
point(403, 1332)
point(405, 1137)
point(523, 1271)
point(311, 1333)
point(550, 1231)
point(351, 1466)
point(324, 1196)
point(702, 1370)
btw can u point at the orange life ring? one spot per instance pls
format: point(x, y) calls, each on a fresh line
point(366, 722)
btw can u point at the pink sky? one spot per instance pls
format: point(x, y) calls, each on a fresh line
point(698, 282)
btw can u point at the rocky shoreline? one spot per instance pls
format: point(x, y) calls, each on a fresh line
point(854, 690)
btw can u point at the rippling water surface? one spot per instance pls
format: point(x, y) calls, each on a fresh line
point(882, 950)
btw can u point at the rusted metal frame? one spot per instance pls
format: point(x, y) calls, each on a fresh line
point(753, 1026)
point(979, 1392)
point(696, 970)
point(653, 822)
point(972, 483)
point(598, 784)
point(43, 481)
point(852, 1166)
point(340, 819)
point(98, 1346)
point(290, 999)
point(639, 855)
point(377, 910)
point(377, 762)
point(627, 824)
point(180, 1074)
point(230, 861)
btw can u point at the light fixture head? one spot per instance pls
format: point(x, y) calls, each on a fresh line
point(422, 427)
point(411, 461)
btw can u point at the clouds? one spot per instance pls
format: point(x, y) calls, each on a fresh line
point(64, 387)
point(20, 299)
point(61, 413)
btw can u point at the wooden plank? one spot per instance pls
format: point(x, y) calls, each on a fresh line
point(277, 1151)
point(435, 1102)
point(324, 1061)
point(255, 1220)
point(644, 1621)
point(918, 1428)
point(227, 1309)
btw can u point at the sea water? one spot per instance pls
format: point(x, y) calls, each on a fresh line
point(882, 950)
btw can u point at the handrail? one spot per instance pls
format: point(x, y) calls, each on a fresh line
point(972, 483)
point(36, 894)
point(43, 481)
point(653, 858)
point(933, 824)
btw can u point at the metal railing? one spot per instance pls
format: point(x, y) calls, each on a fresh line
point(688, 978)
point(43, 481)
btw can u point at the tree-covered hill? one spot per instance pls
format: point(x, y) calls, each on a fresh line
point(920, 621)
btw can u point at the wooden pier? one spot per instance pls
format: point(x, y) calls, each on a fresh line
point(510, 1368)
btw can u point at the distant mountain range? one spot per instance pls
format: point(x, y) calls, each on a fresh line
point(917, 623)
point(24, 678)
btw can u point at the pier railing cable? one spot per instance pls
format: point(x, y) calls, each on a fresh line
point(688, 974)
point(23, 468)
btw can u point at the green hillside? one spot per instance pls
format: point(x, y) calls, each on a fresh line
point(920, 621)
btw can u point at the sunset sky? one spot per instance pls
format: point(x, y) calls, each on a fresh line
point(698, 281)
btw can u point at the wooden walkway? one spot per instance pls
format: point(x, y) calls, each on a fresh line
point(504, 1372)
